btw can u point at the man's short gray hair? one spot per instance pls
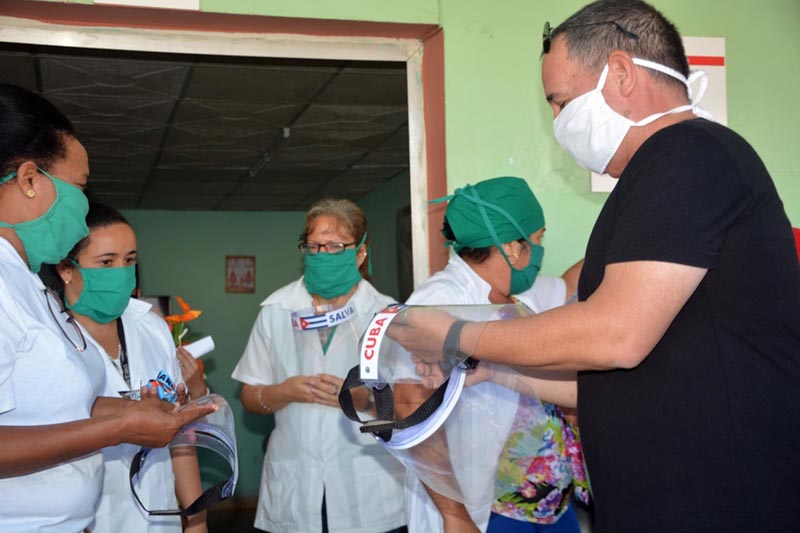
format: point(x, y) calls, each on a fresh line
point(633, 26)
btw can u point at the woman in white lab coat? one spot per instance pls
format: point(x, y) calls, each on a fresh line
point(98, 277)
point(52, 422)
point(496, 229)
point(320, 473)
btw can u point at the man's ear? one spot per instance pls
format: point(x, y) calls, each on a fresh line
point(622, 73)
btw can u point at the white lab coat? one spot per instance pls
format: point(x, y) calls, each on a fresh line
point(314, 447)
point(150, 350)
point(458, 284)
point(44, 380)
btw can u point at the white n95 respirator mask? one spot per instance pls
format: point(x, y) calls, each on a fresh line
point(591, 131)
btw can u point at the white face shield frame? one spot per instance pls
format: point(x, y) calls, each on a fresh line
point(215, 432)
point(453, 439)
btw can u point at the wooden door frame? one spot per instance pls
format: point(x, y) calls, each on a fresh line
point(420, 46)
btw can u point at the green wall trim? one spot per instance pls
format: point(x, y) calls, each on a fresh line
point(498, 122)
point(408, 11)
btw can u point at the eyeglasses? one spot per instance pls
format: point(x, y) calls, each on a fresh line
point(73, 334)
point(547, 33)
point(333, 248)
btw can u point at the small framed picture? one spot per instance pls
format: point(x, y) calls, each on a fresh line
point(240, 273)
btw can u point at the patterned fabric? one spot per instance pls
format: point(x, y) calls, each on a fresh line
point(536, 487)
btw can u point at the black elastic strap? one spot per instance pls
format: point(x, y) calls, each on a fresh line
point(383, 426)
point(203, 502)
point(345, 396)
point(384, 399)
point(123, 354)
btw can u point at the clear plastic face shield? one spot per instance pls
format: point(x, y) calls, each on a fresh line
point(445, 418)
point(215, 432)
point(323, 327)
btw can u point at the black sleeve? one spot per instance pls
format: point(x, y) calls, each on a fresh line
point(679, 196)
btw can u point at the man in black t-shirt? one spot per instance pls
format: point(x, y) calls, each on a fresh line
point(687, 336)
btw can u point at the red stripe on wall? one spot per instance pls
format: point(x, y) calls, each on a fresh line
point(707, 61)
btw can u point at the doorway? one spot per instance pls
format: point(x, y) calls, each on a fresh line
point(419, 47)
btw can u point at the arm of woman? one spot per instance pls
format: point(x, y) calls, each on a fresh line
point(27, 449)
point(188, 486)
point(556, 387)
point(192, 374)
point(455, 517)
point(571, 277)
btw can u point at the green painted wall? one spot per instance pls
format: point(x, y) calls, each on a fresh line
point(381, 207)
point(408, 11)
point(183, 253)
point(499, 124)
point(411, 11)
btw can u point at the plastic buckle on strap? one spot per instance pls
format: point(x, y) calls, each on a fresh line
point(384, 425)
point(469, 363)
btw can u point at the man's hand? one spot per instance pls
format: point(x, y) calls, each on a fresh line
point(422, 332)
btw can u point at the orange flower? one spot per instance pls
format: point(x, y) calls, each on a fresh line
point(177, 323)
point(187, 315)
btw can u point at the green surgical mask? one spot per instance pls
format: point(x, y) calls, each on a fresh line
point(332, 275)
point(522, 280)
point(106, 292)
point(49, 238)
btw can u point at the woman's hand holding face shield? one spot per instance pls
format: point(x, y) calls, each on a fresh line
point(153, 423)
point(432, 376)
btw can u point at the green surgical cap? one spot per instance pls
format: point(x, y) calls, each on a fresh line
point(493, 211)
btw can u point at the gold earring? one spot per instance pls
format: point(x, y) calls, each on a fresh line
point(30, 193)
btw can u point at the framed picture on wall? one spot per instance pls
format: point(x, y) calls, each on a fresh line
point(240, 273)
